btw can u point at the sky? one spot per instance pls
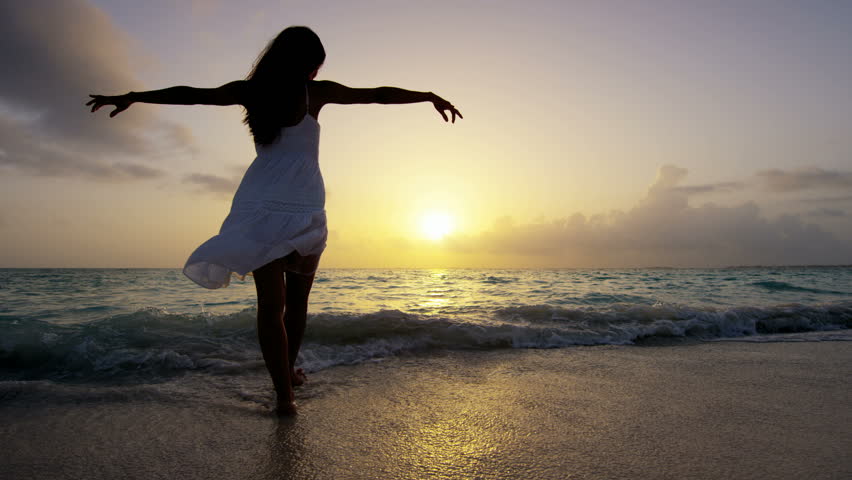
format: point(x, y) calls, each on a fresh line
point(595, 134)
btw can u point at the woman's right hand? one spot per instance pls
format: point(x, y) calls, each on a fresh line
point(441, 105)
point(121, 103)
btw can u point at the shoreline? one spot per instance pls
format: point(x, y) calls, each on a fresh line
point(706, 410)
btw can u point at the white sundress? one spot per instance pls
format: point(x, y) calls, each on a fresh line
point(278, 208)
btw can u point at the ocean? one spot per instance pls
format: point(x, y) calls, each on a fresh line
point(451, 374)
point(108, 326)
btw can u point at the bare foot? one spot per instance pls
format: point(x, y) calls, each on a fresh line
point(287, 409)
point(298, 377)
point(286, 403)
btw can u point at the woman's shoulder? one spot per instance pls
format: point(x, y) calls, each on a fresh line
point(317, 88)
point(323, 86)
point(327, 91)
point(237, 91)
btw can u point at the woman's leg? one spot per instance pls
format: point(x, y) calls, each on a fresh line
point(295, 318)
point(271, 297)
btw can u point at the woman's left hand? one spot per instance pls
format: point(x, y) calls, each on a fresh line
point(120, 101)
point(442, 105)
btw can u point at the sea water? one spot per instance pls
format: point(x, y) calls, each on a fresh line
point(113, 326)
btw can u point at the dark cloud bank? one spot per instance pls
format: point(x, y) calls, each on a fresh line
point(55, 53)
point(806, 178)
point(664, 230)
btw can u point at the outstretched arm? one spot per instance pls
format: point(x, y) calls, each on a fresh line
point(228, 94)
point(333, 92)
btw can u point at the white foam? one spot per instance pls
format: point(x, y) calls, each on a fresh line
point(153, 342)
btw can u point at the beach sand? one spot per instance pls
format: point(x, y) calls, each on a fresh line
point(732, 410)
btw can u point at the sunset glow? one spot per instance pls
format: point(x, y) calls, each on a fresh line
point(595, 134)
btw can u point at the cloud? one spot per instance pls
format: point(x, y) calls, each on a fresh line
point(38, 156)
point(663, 230)
point(721, 187)
point(807, 178)
point(843, 198)
point(671, 176)
point(827, 212)
point(56, 53)
point(138, 171)
point(213, 183)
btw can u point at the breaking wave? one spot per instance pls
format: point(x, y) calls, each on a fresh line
point(152, 344)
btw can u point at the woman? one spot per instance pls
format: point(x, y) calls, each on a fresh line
point(276, 228)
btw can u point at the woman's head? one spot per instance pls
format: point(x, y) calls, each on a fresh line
point(278, 82)
point(293, 55)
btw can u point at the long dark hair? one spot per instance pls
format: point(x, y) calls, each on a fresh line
point(277, 82)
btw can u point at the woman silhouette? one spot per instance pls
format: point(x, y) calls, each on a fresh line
point(276, 228)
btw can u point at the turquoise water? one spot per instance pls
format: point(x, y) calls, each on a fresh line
point(119, 324)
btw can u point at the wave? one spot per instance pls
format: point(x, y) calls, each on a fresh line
point(775, 286)
point(153, 344)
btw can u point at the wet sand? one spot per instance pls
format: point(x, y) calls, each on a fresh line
point(704, 411)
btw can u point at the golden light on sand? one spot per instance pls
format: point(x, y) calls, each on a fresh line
point(435, 225)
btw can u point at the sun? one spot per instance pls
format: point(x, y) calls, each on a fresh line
point(435, 225)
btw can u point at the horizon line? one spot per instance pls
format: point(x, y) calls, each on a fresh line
point(658, 267)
